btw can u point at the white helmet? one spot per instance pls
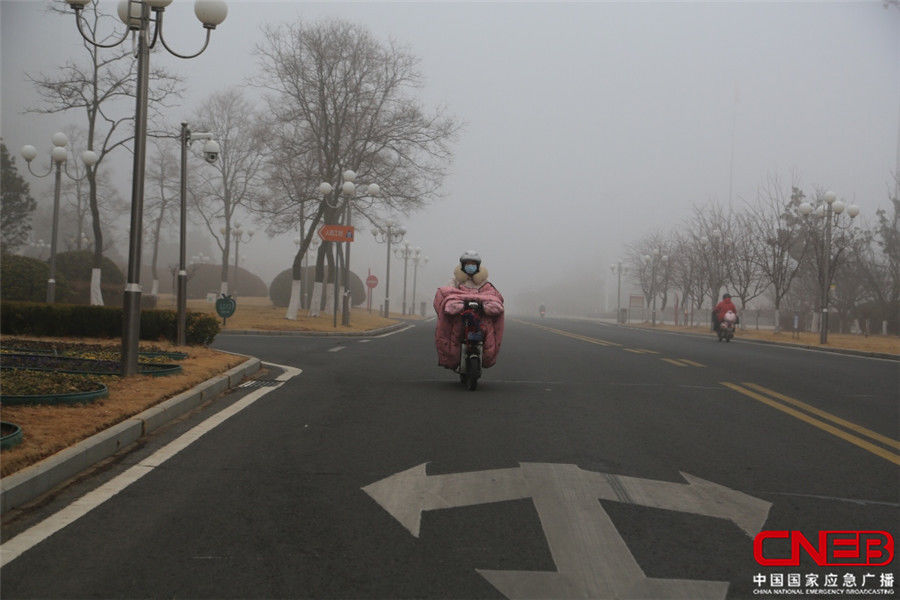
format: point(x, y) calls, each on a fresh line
point(470, 256)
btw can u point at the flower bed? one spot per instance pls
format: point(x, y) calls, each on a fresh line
point(82, 350)
point(65, 364)
point(22, 386)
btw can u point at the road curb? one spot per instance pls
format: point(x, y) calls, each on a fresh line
point(847, 351)
point(29, 483)
point(367, 333)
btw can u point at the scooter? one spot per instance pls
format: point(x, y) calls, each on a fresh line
point(726, 327)
point(472, 345)
point(542, 310)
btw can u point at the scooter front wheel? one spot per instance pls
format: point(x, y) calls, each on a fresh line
point(473, 370)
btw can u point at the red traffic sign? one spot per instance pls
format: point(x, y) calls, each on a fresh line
point(371, 281)
point(336, 233)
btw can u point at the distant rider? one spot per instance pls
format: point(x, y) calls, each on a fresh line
point(721, 308)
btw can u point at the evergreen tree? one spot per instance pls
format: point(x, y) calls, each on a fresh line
point(16, 204)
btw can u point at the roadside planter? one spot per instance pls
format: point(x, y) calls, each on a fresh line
point(80, 366)
point(10, 435)
point(64, 398)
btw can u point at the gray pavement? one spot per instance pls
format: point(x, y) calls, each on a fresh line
point(592, 461)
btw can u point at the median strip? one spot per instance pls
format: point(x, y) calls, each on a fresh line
point(844, 435)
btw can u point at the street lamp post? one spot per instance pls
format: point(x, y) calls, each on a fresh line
point(617, 269)
point(349, 191)
point(210, 152)
point(58, 155)
point(136, 14)
point(424, 259)
point(391, 233)
point(653, 261)
point(831, 210)
point(406, 252)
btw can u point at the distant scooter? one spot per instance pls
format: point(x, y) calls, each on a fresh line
point(726, 327)
point(542, 310)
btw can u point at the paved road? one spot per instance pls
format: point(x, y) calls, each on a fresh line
point(592, 461)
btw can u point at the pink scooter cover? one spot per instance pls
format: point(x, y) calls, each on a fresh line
point(448, 304)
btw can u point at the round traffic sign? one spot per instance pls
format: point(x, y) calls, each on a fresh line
point(371, 281)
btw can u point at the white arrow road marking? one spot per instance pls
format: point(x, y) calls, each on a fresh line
point(592, 559)
point(12, 549)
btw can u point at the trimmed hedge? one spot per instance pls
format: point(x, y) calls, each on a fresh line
point(24, 278)
point(280, 288)
point(76, 265)
point(207, 278)
point(71, 320)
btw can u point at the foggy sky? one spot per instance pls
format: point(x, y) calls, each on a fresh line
point(586, 125)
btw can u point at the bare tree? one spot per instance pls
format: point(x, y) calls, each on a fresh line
point(685, 263)
point(101, 87)
point(343, 100)
point(781, 244)
point(161, 197)
point(879, 265)
point(712, 229)
point(234, 180)
point(744, 274)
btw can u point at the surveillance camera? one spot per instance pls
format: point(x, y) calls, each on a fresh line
point(211, 151)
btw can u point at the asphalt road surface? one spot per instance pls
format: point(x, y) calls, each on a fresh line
point(592, 461)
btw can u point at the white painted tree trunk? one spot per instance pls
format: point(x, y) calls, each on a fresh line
point(294, 304)
point(223, 289)
point(316, 299)
point(777, 319)
point(96, 293)
point(154, 289)
point(329, 299)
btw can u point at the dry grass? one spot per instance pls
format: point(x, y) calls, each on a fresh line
point(885, 344)
point(49, 429)
point(258, 313)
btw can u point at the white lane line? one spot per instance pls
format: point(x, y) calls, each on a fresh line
point(336, 348)
point(383, 335)
point(364, 341)
point(12, 549)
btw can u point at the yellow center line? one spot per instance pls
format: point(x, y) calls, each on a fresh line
point(674, 362)
point(692, 363)
point(576, 336)
point(877, 450)
point(826, 415)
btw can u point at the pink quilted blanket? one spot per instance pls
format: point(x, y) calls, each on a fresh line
point(448, 304)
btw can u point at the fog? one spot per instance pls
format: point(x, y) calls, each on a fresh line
point(586, 126)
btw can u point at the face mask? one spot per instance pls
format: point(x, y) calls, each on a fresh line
point(470, 269)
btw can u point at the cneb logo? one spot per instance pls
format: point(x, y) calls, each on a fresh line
point(834, 548)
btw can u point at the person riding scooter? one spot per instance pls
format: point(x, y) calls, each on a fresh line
point(721, 308)
point(470, 284)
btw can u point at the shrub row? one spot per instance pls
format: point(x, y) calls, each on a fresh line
point(71, 320)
